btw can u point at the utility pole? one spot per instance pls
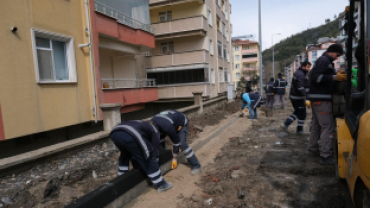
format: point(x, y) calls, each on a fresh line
point(260, 44)
point(273, 54)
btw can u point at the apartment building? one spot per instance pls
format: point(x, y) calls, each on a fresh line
point(192, 47)
point(246, 59)
point(122, 34)
point(53, 85)
point(314, 51)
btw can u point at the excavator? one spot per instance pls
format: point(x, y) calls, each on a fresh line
point(351, 106)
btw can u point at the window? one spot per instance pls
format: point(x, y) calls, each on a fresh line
point(165, 16)
point(314, 53)
point(237, 57)
point(213, 77)
point(54, 57)
point(246, 47)
point(220, 75)
point(227, 35)
point(226, 15)
point(228, 56)
point(218, 24)
point(237, 75)
point(211, 51)
point(180, 76)
point(225, 53)
point(226, 75)
point(249, 56)
point(167, 48)
point(247, 65)
point(219, 3)
point(209, 17)
point(223, 29)
point(237, 66)
point(236, 48)
point(219, 48)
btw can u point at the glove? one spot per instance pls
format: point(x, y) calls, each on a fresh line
point(241, 111)
point(308, 104)
point(174, 164)
point(341, 77)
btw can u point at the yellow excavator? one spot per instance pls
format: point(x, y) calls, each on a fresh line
point(351, 106)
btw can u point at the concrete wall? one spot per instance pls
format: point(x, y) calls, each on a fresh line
point(116, 65)
point(28, 107)
point(183, 44)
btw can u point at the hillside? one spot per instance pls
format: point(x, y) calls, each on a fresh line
point(286, 50)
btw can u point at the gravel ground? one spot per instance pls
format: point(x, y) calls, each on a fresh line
point(272, 168)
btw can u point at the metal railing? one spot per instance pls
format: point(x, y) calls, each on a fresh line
point(127, 83)
point(121, 18)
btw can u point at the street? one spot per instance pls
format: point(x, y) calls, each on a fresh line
point(270, 166)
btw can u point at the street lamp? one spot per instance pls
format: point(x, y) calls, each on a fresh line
point(273, 57)
point(260, 44)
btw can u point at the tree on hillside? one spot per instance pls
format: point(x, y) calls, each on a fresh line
point(327, 21)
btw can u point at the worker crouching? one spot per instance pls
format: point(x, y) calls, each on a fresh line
point(251, 101)
point(139, 141)
point(175, 125)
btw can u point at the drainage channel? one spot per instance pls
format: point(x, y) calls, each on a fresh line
point(123, 189)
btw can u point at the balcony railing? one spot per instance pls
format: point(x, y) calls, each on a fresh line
point(127, 83)
point(179, 58)
point(122, 18)
point(246, 69)
point(181, 25)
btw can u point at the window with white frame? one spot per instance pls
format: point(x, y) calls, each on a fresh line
point(228, 56)
point(213, 76)
point(167, 48)
point(219, 3)
point(220, 75)
point(226, 15)
point(223, 29)
point(237, 57)
point(246, 47)
point(237, 66)
point(227, 35)
point(211, 51)
point(209, 17)
point(236, 48)
point(165, 16)
point(237, 75)
point(219, 48)
point(54, 57)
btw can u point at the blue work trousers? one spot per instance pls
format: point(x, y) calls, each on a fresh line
point(130, 149)
point(188, 152)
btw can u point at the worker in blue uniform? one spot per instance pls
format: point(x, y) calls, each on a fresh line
point(251, 101)
point(139, 140)
point(175, 125)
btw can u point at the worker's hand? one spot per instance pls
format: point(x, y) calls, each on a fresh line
point(341, 77)
point(308, 104)
point(174, 163)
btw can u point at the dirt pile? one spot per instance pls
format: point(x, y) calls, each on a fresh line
point(267, 167)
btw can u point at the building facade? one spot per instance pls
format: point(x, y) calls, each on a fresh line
point(192, 47)
point(59, 66)
point(246, 59)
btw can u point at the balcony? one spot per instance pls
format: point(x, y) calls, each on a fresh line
point(121, 18)
point(186, 91)
point(248, 69)
point(250, 60)
point(181, 27)
point(154, 3)
point(180, 58)
point(249, 51)
point(127, 83)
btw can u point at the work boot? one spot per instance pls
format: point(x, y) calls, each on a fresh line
point(327, 161)
point(285, 128)
point(196, 170)
point(164, 187)
point(303, 133)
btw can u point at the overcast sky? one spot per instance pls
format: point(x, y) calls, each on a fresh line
point(281, 16)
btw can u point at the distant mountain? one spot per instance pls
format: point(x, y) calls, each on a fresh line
point(287, 49)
